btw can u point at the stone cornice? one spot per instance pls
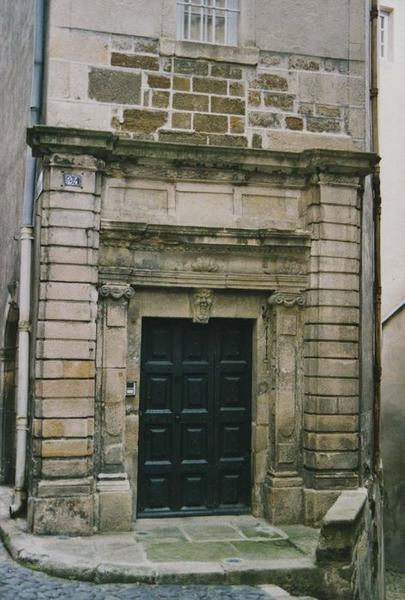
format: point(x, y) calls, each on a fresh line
point(127, 232)
point(111, 148)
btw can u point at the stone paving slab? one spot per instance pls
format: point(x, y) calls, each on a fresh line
point(207, 550)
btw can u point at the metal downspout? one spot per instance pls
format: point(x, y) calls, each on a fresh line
point(26, 237)
point(377, 466)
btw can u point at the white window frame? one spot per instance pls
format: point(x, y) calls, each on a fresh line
point(230, 12)
point(385, 34)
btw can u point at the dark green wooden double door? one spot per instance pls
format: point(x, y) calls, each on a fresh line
point(195, 418)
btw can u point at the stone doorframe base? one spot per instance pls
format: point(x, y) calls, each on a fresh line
point(276, 392)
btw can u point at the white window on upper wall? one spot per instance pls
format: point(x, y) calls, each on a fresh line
point(209, 21)
point(385, 34)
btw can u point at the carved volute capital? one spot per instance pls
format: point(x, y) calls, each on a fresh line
point(201, 305)
point(117, 291)
point(286, 299)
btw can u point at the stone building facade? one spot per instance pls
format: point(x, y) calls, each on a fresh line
point(201, 242)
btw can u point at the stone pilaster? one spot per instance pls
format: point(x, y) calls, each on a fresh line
point(61, 485)
point(114, 494)
point(283, 488)
point(331, 405)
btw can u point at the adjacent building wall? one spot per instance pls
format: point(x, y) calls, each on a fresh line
point(16, 63)
point(392, 127)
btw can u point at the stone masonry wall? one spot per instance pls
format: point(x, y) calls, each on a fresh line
point(125, 84)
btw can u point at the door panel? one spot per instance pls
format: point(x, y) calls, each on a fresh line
point(195, 417)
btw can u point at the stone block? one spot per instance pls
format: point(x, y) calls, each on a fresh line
point(332, 367)
point(118, 87)
point(67, 330)
point(333, 314)
point(331, 460)
point(331, 441)
point(283, 101)
point(74, 201)
point(254, 98)
point(159, 81)
point(64, 408)
point(135, 61)
point(210, 123)
point(115, 504)
point(237, 89)
point(183, 137)
point(210, 86)
point(268, 81)
point(72, 273)
point(336, 248)
point(327, 110)
point(228, 140)
point(64, 487)
point(64, 388)
point(265, 120)
point(85, 115)
point(257, 141)
point(187, 66)
point(339, 333)
point(232, 106)
point(181, 120)
point(64, 236)
point(67, 349)
point(191, 102)
point(81, 292)
point(237, 124)
point(323, 125)
point(328, 386)
point(160, 99)
point(181, 84)
point(283, 501)
point(67, 311)
point(332, 349)
point(294, 123)
point(303, 63)
point(143, 121)
point(144, 44)
point(67, 428)
point(331, 423)
point(225, 70)
point(77, 46)
point(62, 516)
point(66, 448)
point(68, 467)
point(115, 386)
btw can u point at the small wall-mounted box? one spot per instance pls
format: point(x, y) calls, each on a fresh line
point(131, 388)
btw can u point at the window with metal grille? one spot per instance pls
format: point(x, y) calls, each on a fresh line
point(209, 21)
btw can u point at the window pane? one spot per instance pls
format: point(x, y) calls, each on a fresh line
point(195, 32)
point(220, 30)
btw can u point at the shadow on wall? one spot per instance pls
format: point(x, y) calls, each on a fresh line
point(393, 439)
